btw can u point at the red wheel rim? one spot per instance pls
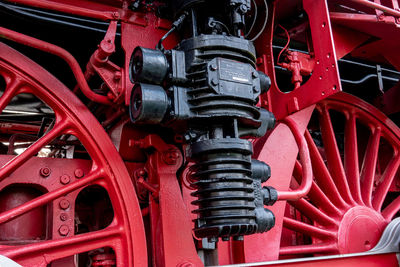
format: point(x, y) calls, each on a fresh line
point(125, 235)
point(350, 203)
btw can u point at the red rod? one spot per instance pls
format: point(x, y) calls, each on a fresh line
point(70, 9)
point(307, 175)
point(374, 5)
point(60, 52)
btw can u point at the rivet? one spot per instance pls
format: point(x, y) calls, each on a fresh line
point(64, 204)
point(79, 173)
point(45, 171)
point(63, 216)
point(63, 230)
point(65, 179)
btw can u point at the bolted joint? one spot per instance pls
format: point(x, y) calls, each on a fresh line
point(63, 230)
point(79, 173)
point(45, 171)
point(65, 179)
point(270, 195)
point(64, 204)
point(171, 156)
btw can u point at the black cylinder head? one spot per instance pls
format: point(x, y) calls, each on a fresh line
point(148, 103)
point(147, 65)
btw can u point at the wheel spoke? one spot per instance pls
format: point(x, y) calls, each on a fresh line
point(387, 179)
point(307, 229)
point(17, 161)
point(48, 197)
point(369, 166)
point(351, 158)
point(309, 249)
point(316, 195)
point(333, 157)
point(9, 93)
point(322, 175)
point(108, 182)
point(391, 210)
point(50, 250)
point(321, 200)
point(312, 212)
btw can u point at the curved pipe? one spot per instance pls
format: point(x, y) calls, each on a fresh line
point(307, 175)
point(60, 52)
point(374, 5)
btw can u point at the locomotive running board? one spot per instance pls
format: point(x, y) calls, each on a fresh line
point(385, 253)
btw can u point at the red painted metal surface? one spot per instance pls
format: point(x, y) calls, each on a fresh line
point(306, 171)
point(324, 80)
point(339, 191)
point(389, 259)
point(172, 242)
point(125, 234)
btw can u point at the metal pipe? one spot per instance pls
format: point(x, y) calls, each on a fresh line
point(71, 9)
point(374, 5)
point(307, 175)
point(60, 52)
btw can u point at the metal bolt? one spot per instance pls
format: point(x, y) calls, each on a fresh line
point(213, 67)
point(63, 216)
point(64, 204)
point(45, 171)
point(142, 172)
point(214, 82)
point(79, 173)
point(254, 74)
point(171, 157)
point(243, 9)
point(115, 15)
point(117, 75)
point(65, 179)
point(63, 230)
point(255, 89)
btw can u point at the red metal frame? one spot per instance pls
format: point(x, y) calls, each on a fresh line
point(330, 196)
point(324, 80)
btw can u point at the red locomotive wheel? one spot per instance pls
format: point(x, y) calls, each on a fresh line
point(354, 150)
point(125, 234)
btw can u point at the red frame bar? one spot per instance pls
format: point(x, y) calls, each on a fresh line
point(374, 5)
point(60, 52)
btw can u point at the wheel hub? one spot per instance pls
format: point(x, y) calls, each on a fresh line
point(360, 230)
